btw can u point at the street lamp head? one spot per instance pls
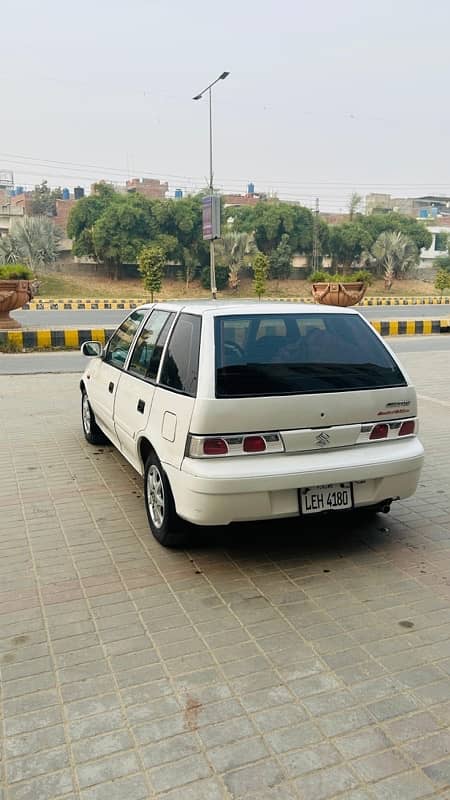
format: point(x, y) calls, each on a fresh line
point(223, 76)
point(198, 97)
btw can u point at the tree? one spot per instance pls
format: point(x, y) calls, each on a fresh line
point(269, 221)
point(33, 240)
point(393, 254)
point(151, 261)
point(232, 250)
point(375, 224)
point(260, 272)
point(354, 204)
point(347, 241)
point(124, 228)
point(280, 261)
point(43, 199)
point(83, 217)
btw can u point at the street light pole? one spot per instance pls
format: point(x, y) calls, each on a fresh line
point(212, 266)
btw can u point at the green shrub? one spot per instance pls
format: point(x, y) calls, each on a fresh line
point(363, 275)
point(221, 278)
point(442, 280)
point(260, 272)
point(319, 276)
point(15, 271)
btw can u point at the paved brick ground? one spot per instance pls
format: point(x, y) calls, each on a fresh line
point(266, 662)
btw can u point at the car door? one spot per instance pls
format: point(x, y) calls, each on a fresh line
point(104, 376)
point(137, 383)
point(175, 394)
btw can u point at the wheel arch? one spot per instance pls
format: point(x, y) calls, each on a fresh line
point(145, 448)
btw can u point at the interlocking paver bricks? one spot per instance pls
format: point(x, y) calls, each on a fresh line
point(286, 667)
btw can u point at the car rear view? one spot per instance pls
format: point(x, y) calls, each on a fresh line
point(306, 411)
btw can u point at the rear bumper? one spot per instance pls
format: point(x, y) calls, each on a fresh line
point(220, 491)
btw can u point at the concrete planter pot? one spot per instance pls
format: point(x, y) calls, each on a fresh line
point(14, 293)
point(339, 294)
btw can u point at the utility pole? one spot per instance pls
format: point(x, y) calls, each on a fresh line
point(316, 243)
point(214, 234)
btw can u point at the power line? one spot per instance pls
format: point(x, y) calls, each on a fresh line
point(53, 163)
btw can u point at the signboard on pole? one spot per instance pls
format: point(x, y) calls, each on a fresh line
point(211, 217)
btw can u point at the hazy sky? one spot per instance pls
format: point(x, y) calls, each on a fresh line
point(323, 97)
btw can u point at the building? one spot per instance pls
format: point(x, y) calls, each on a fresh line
point(8, 214)
point(439, 245)
point(149, 187)
point(427, 207)
point(63, 209)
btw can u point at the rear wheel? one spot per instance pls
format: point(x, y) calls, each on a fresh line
point(165, 524)
point(92, 432)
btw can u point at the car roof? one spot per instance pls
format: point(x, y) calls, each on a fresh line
point(232, 307)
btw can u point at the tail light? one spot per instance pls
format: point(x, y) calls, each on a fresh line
point(374, 431)
point(233, 445)
point(215, 447)
point(254, 444)
point(380, 431)
point(407, 428)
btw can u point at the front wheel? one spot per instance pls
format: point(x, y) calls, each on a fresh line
point(93, 434)
point(165, 524)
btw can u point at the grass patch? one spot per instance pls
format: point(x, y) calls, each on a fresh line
point(57, 285)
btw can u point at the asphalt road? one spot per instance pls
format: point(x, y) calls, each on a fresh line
point(111, 319)
point(38, 363)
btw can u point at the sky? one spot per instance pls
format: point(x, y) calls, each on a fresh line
point(323, 98)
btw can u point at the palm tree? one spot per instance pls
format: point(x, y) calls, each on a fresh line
point(232, 250)
point(393, 254)
point(33, 240)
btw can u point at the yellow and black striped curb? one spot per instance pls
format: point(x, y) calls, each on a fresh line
point(376, 301)
point(72, 338)
point(63, 339)
point(69, 304)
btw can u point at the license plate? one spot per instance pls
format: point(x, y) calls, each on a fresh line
point(336, 497)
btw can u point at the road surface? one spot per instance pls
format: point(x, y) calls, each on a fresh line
point(111, 319)
point(68, 361)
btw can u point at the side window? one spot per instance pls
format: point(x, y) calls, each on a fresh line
point(147, 352)
point(180, 366)
point(121, 340)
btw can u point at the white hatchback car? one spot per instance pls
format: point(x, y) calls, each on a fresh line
point(253, 411)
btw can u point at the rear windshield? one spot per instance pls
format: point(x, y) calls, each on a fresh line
point(277, 354)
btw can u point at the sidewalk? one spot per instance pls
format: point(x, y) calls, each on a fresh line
point(268, 662)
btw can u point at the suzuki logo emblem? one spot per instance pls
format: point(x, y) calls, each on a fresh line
point(322, 439)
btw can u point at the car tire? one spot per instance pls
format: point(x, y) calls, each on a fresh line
point(165, 524)
point(92, 433)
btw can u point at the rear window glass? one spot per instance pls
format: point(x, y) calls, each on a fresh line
point(299, 354)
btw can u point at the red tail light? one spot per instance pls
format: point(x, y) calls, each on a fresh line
point(254, 444)
point(380, 431)
point(407, 428)
point(215, 447)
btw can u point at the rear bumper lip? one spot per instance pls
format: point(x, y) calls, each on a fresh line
point(296, 471)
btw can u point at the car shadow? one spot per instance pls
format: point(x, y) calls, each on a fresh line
point(338, 533)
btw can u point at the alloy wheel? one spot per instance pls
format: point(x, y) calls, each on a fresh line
point(155, 496)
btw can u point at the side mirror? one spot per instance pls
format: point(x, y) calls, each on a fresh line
point(92, 349)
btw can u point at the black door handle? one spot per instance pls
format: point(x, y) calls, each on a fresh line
point(111, 387)
point(141, 406)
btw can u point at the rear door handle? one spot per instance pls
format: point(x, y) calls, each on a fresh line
point(111, 387)
point(141, 406)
